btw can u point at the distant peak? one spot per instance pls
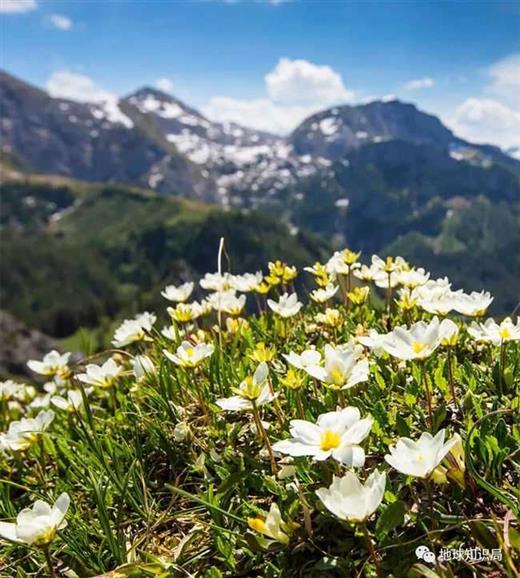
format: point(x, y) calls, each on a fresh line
point(146, 91)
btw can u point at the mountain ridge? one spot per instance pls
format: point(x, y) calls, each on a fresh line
point(150, 138)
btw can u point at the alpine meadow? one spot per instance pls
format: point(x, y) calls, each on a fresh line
point(259, 289)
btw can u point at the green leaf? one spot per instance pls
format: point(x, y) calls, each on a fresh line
point(401, 426)
point(392, 517)
point(213, 572)
point(421, 571)
point(483, 535)
point(514, 538)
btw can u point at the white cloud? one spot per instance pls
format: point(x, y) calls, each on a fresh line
point(301, 81)
point(260, 113)
point(61, 22)
point(81, 88)
point(494, 115)
point(76, 86)
point(505, 79)
point(485, 120)
point(165, 84)
point(17, 6)
point(506, 72)
point(295, 89)
point(419, 83)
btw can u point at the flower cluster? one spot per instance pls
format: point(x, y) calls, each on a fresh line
point(274, 408)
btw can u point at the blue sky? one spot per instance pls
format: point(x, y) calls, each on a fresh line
point(458, 59)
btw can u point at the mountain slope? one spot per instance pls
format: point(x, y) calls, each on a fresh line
point(368, 176)
point(76, 254)
point(152, 139)
point(93, 142)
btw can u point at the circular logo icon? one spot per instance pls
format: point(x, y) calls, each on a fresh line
point(420, 551)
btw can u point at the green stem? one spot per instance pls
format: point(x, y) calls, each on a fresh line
point(452, 383)
point(429, 490)
point(372, 550)
point(501, 381)
point(265, 437)
point(52, 572)
point(428, 395)
point(202, 403)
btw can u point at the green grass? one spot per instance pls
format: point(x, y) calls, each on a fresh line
point(149, 501)
point(113, 248)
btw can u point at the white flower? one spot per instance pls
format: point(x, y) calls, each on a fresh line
point(10, 390)
point(413, 277)
point(417, 342)
point(216, 282)
point(436, 296)
point(142, 366)
point(474, 304)
point(342, 367)
point(227, 301)
point(419, 458)
point(307, 358)
point(132, 330)
point(374, 341)
point(54, 363)
point(52, 387)
point(101, 375)
point(41, 402)
point(72, 402)
point(178, 293)
point(349, 499)
point(128, 332)
point(287, 305)
point(185, 312)
point(342, 262)
point(366, 273)
point(189, 355)
point(246, 282)
point(385, 274)
point(448, 333)
point(170, 332)
point(440, 301)
point(323, 295)
point(37, 526)
point(336, 434)
point(22, 434)
point(495, 333)
point(146, 320)
point(271, 526)
point(253, 390)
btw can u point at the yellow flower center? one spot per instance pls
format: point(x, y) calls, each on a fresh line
point(330, 440)
point(190, 351)
point(418, 347)
point(45, 537)
point(257, 524)
point(505, 333)
point(336, 376)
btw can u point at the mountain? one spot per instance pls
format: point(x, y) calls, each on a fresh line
point(92, 142)
point(374, 176)
point(154, 140)
point(78, 254)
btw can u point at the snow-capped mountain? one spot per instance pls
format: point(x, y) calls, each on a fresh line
point(246, 165)
point(152, 139)
point(90, 141)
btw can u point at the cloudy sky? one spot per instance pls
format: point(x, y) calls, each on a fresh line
point(269, 64)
